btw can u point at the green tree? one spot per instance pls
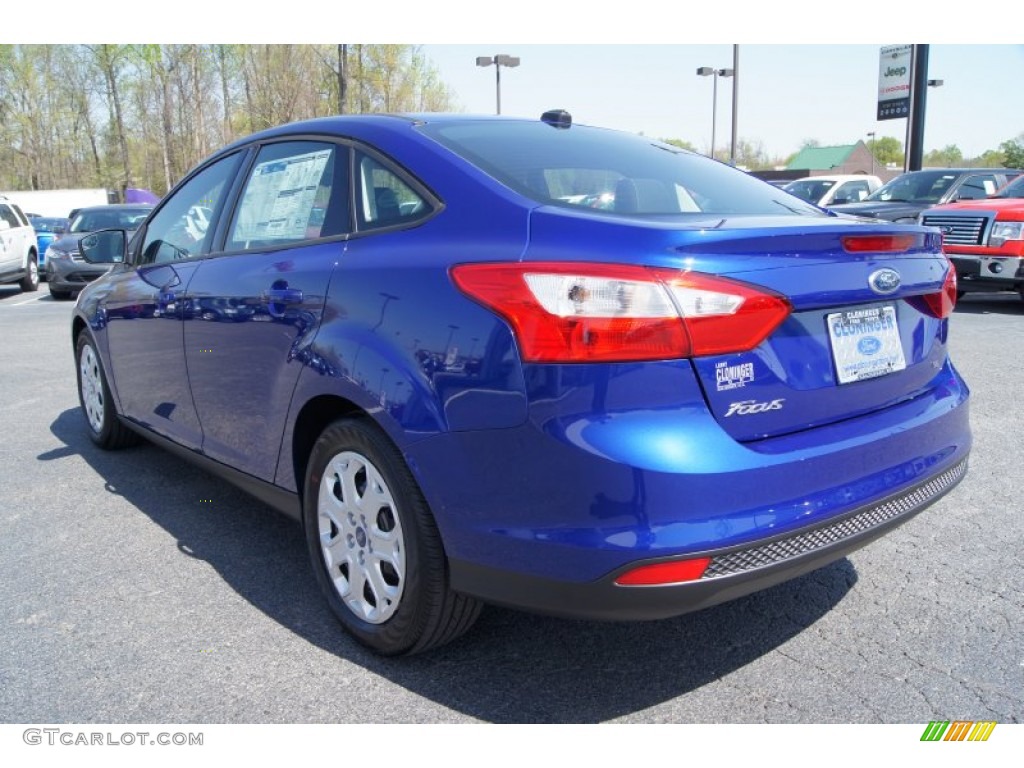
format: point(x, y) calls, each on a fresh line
point(1013, 152)
point(990, 158)
point(949, 156)
point(887, 150)
point(750, 155)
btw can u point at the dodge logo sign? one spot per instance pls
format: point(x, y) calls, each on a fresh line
point(884, 281)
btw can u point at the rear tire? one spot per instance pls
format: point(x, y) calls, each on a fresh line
point(105, 429)
point(30, 282)
point(375, 548)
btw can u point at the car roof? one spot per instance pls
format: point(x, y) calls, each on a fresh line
point(114, 207)
point(356, 126)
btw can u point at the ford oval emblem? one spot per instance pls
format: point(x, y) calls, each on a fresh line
point(869, 345)
point(884, 281)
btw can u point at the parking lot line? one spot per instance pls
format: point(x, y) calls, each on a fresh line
point(27, 301)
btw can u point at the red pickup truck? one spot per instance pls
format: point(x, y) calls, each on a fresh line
point(984, 239)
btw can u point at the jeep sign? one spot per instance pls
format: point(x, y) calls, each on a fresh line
point(894, 81)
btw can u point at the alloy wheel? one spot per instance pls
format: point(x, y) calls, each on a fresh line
point(361, 537)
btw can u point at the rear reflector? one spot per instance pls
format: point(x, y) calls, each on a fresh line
point(673, 572)
point(596, 312)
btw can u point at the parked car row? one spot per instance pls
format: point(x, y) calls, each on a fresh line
point(979, 211)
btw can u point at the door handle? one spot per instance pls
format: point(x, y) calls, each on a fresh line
point(279, 296)
point(283, 296)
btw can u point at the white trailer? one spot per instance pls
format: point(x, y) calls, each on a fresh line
point(57, 202)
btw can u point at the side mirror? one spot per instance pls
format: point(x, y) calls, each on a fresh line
point(107, 246)
point(4, 225)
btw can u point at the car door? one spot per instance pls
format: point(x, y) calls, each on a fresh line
point(24, 235)
point(9, 257)
point(145, 308)
point(256, 304)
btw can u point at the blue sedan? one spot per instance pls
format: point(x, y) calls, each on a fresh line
point(419, 337)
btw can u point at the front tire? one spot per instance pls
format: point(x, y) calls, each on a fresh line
point(94, 396)
point(59, 295)
point(30, 282)
point(375, 548)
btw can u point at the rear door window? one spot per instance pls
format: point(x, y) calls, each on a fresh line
point(297, 191)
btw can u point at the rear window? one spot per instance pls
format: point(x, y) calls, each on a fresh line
point(583, 167)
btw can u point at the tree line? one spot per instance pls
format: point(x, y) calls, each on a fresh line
point(119, 116)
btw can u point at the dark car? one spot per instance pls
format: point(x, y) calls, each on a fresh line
point(47, 230)
point(66, 271)
point(903, 198)
point(416, 336)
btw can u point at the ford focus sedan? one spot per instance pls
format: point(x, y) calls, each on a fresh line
point(416, 336)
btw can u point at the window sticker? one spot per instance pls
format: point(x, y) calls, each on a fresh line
point(280, 197)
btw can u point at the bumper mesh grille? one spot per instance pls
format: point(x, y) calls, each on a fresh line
point(809, 541)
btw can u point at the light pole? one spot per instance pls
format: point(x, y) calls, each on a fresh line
point(735, 101)
point(500, 60)
point(716, 73)
point(871, 150)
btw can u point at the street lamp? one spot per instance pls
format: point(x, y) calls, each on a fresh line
point(499, 61)
point(716, 73)
point(871, 150)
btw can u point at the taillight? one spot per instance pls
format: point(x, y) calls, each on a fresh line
point(588, 312)
point(941, 304)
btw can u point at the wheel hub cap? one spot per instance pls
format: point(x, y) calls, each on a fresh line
point(92, 388)
point(361, 537)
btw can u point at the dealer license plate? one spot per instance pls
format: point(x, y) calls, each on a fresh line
point(865, 343)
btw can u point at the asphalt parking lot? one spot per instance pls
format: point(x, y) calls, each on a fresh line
point(135, 588)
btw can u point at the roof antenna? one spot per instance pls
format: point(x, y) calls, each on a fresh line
point(557, 118)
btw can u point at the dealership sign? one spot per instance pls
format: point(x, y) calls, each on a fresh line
point(894, 81)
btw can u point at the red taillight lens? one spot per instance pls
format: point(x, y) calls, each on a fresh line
point(880, 243)
point(941, 304)
point(585, 312)
point(721, 315)
point(673, 572)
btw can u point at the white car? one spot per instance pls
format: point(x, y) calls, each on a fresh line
point(833, 190)
point(19, 250)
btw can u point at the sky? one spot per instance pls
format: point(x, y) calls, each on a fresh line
point(808, 70)
point(787, 93)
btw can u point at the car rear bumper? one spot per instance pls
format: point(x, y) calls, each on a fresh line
point(544, 514)
point(733, 572)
